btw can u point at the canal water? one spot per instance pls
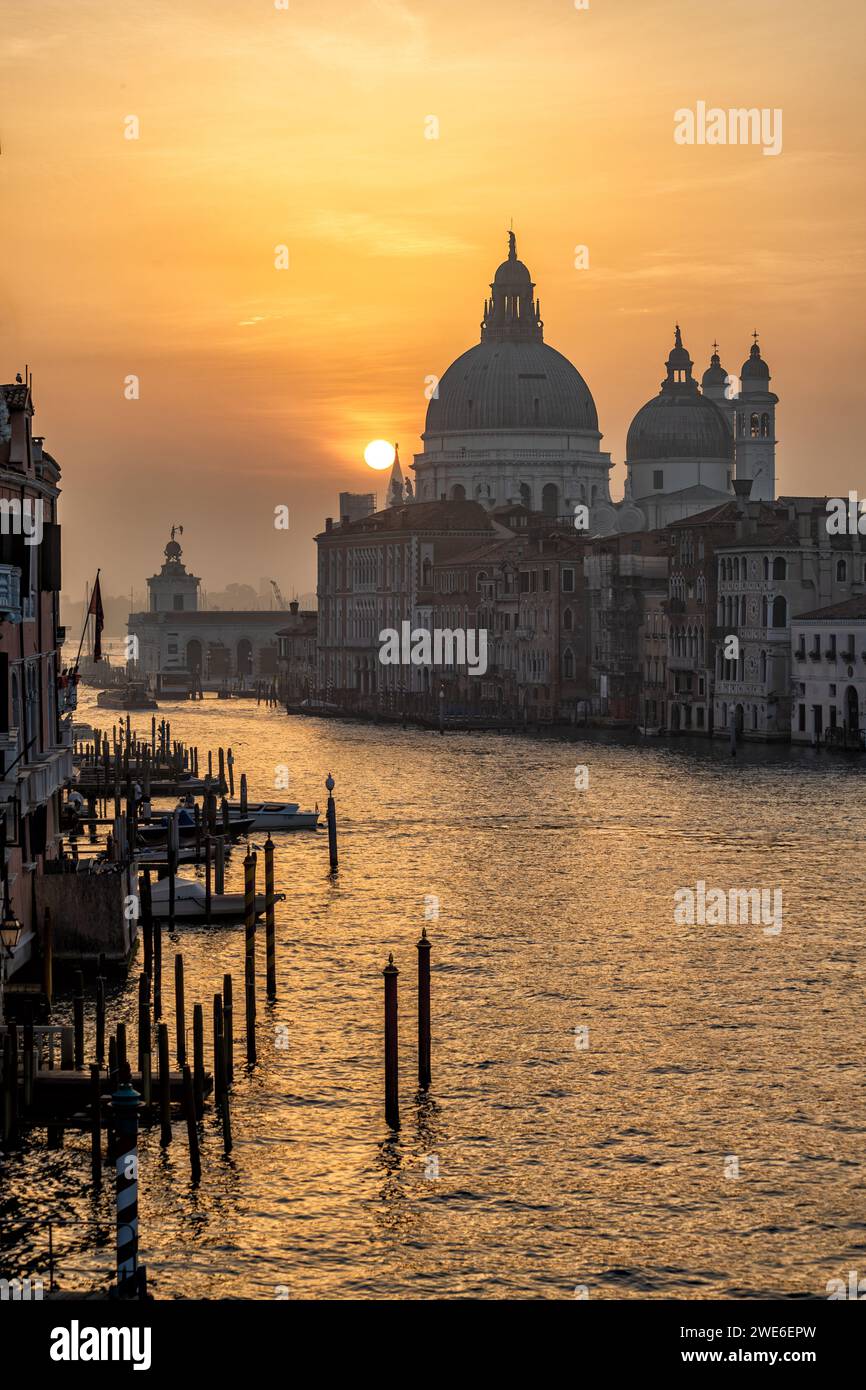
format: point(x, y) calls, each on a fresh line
point(621, 1103)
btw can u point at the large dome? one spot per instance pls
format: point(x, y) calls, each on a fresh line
point(504, 385)
point(679, 423)
point(511, 380)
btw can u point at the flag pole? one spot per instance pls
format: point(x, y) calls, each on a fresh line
point(84, 629)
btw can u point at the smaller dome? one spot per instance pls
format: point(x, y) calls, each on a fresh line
point(173, 551)
point(680, 422)
point(715, 375)
point(512, 273)
point(755, 369)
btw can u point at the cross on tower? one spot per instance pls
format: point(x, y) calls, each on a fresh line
point(755, 335)
point(715, 347)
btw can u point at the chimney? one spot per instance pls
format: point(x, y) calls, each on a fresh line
point(329, 523)
point(293, 607)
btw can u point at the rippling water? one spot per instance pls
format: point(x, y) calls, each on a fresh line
point(558, 1166)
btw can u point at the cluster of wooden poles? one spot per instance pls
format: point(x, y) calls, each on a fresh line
point(392, 1074)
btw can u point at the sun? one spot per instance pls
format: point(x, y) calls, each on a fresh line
point(379, 454)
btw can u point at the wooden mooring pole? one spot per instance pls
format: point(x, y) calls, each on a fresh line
point(191, 1130)
point(331, 817)
point(78, 1018)
point(250, 954)
point(423, 1011)
point(164, 1088)
point(392, 1105)
point(95, 1125)
point(228, 1028)
point(198, 1059)
point(180, 1009)
point(270, 923)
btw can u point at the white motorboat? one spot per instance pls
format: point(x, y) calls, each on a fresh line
point(276, 815)
point(190, 905)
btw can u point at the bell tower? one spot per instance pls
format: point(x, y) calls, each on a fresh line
point(755, 433)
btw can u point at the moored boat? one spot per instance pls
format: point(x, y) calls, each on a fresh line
point(276, 815)
point(190, 902)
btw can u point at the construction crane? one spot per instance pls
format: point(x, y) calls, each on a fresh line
point(278, 595)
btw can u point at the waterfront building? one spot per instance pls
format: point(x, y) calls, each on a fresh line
point(766, 578)
point(297, 654)
point(178, 645)
point(828, 661)
point(528, 594)
point(624, 575)
point(653, 656)
point(36, 696)
point(692, 604)
point(377, 573)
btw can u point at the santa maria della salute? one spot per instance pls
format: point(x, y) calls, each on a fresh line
point(686, 605)
point(514, 422)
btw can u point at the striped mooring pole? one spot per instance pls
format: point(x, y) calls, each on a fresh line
point(124, 1105)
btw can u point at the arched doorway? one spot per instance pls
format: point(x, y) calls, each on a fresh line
point(194, 656)
point(550, 499)
point(852, 709)
point(245, 657)
point(526, 495)
point(458, 493)
point(739, 721)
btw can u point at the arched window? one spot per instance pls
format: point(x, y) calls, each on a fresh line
point(766, 567)
point(550, 499)
point(754, 427)
point(568, 664)
point(458, 493)
point(426, 574)
point(764, 611)
point(736, 567)
point(765, 426)
point(526, 494)
point(763, 666)
point(780, 567)
point(480, 581)
point(841, 570)
point(780, 612)
point(567, 619)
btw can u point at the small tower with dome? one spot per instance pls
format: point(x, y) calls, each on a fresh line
point(756, 426)
point(174, 589)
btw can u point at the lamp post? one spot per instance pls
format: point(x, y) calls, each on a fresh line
point(10, 935)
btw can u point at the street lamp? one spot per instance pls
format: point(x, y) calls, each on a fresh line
point(10, 935)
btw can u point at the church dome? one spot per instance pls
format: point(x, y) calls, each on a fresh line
point(511, 380)
point(511, 386)
point(715, 375)
point(755, 368)
point(679, 423)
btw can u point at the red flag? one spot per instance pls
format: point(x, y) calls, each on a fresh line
point(96, 609)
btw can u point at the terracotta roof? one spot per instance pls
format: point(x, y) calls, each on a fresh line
point(416, 516)
point(849, 608)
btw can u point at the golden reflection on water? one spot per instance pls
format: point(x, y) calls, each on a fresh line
point(557, 1166)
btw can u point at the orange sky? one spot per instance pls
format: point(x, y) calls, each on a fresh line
point(260, 126)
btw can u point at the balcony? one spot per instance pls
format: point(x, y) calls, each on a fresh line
point(848, 657)
point(10, 593)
